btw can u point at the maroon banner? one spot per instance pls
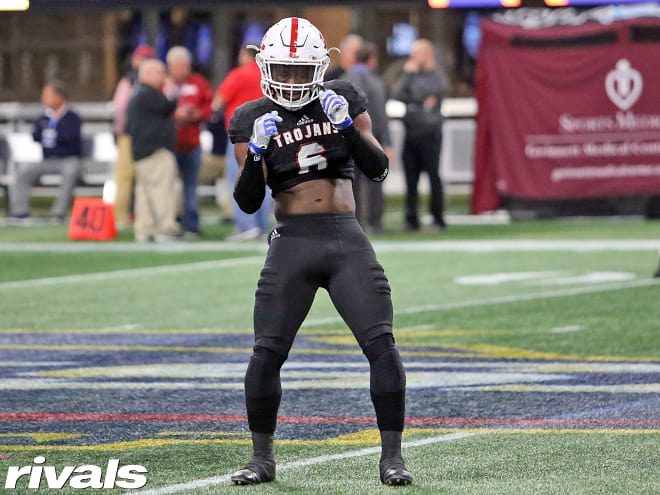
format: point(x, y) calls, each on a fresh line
point(567, 112)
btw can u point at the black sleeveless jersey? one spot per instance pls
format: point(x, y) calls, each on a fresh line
point(307, 147)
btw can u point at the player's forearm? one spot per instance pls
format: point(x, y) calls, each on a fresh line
point(250, 188)
point(371, 159)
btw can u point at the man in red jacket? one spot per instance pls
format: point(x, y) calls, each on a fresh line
point(194, 95)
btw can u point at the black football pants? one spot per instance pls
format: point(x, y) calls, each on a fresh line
point(330, 251)
point(422, 154)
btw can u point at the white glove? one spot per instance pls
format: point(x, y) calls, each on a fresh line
point(336, 108)
point(264, 128)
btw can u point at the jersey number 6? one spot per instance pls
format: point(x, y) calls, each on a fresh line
point(310, 155)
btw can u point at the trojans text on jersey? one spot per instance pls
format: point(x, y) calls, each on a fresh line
point(297, 134)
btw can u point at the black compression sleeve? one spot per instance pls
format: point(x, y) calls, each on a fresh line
point(250, 189)
point(371, 160)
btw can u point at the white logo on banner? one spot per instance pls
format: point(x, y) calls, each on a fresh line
point(624, 85)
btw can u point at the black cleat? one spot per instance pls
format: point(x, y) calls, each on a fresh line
point(256, 471)
point(393, 472)
point(657, 273)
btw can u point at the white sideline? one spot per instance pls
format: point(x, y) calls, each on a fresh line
point(287, 466)
point(478, 246)
point(132, 272)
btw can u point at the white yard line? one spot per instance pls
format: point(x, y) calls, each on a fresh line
point(287, 466)
point(532, 245)
point(575, 291)
point(478, 246)
point(131, 273)
point(380, 247)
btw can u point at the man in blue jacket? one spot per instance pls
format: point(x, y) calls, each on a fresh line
point(58, 131)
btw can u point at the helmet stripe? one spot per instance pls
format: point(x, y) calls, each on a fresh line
point(293, 48)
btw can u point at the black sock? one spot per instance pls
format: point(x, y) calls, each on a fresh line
point(262, 445)
point(391, 445)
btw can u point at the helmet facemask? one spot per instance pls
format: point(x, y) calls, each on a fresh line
point(292, 84)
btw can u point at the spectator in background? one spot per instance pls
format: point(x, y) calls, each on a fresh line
point(194, 96)
point(422, 86)
point(214, 164)
point(123, 171)
point(241, 85)
point(153, 135)
point(348, 48)
point(369, 194)
point(58, 129)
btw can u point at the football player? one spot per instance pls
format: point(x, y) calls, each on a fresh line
point(303, 139)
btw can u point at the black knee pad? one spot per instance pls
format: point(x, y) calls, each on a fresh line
point(263, 390)
point(387, 383)
point(387, 373)
point(262, 378)
point(378, 346)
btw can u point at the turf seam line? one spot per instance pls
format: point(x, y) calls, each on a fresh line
point(287, 466)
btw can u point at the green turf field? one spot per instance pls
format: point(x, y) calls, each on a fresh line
point(532, 352)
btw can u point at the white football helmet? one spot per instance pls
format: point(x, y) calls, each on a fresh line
point(293, 58)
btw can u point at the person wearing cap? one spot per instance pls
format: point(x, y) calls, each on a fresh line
point(123, 171)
